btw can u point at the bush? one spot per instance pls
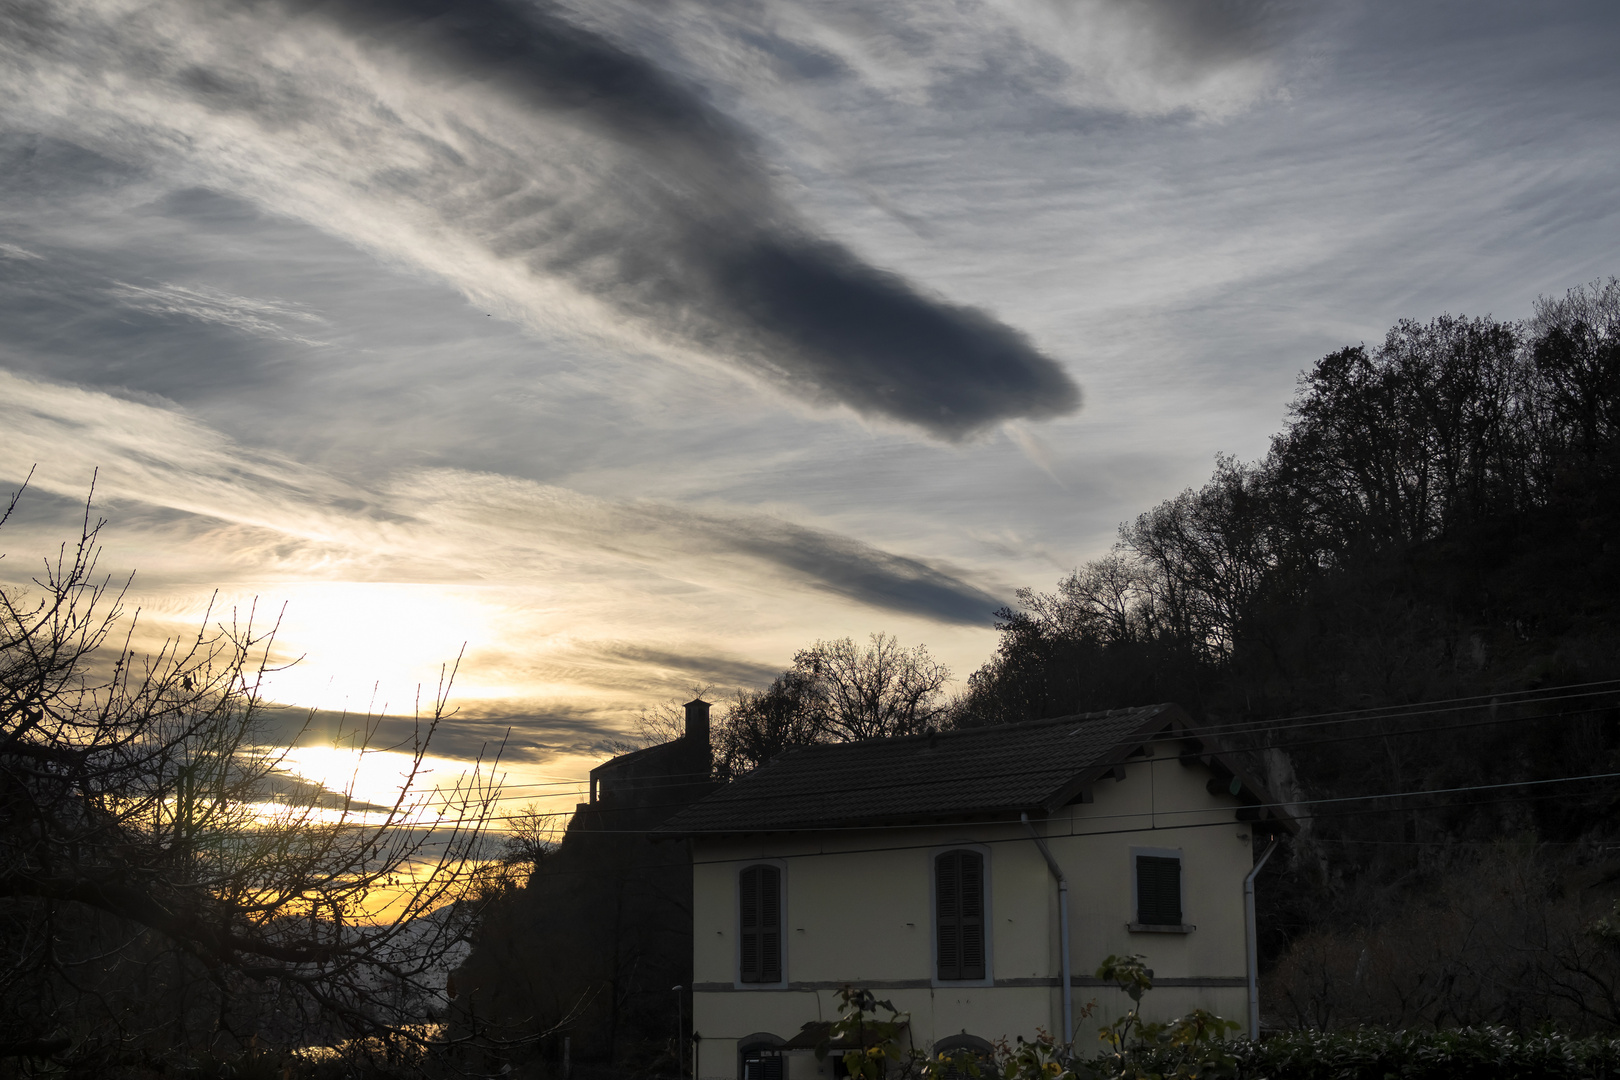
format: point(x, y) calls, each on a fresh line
point(1472, 1053)
point(1195, 1047)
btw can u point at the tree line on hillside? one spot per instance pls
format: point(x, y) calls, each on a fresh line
point(1457, 479)
point(1437, 523)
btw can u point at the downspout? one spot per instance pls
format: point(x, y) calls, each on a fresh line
point(1254, 952)
point(1063, 928)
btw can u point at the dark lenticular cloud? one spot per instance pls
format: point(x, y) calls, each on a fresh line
point(703, 250)
point(861, 572)
point(873, 341)
point(535, 54)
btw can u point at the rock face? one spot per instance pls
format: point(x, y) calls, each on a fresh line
point(593, 943)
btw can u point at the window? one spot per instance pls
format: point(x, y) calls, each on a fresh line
point(959, 915)
point(761, 1055)
point(958, 1050)
point(759, 924)
point(1158, 890)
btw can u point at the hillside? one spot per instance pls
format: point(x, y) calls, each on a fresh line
point(1417, 590)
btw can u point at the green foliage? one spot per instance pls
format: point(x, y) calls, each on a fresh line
point(1187, 1048)
point(871, 1043)
point(1197, 1046)
point(1486, 1053)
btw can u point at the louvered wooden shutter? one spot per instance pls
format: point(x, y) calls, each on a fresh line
point(1158, 890)
point(758, 1066)
point(759, 924)
point(959, 914)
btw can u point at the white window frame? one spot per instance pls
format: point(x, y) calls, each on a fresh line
point(1136, 899)
point(736, 925)
point(933, 919)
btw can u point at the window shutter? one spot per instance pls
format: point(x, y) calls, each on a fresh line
point(959, 914)
point(759, 924)
point(1158, 890)
point(748, 923)
point(972, 864)
point(760, 1066)
point(770, 927)
point(948, 915)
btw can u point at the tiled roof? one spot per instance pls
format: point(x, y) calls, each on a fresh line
point(634, 756)
point(1036, 767)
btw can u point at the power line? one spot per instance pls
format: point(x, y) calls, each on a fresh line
point(1548, 694)
point(1182, 828)
point(670, 780)
point(1151, 814)
point(1396, 712)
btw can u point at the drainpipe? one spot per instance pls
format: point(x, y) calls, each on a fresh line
point(1254, 953)
point(1063, 928)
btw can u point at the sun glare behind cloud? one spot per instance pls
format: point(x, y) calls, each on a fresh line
point(377, 647)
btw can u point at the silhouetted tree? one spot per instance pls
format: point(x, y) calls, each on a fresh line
point(166, 889)
point(836, 691)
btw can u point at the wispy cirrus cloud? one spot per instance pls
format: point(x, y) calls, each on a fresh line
point(264, 317)
point(539, 165)
point(442, 525)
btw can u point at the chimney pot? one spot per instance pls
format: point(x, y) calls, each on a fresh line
point(697, 721)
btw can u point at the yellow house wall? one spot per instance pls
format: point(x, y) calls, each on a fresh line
point(858, 910)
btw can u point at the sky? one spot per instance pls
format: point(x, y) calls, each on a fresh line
point(626, 346)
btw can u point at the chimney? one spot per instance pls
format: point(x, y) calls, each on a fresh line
point(697, 721)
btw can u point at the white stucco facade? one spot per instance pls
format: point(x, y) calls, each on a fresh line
point(857, 908)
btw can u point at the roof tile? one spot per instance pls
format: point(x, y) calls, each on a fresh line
point(967, 773)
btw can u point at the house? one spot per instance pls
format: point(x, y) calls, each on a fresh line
point(945, 872)
point(591, 945)
point(642, 788)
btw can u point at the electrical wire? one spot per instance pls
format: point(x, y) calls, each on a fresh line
point(669, 780)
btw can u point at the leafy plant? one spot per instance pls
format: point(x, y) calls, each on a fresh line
point(1190, 1047)
point(871, 1042)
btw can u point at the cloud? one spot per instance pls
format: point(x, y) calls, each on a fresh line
point(537, 164)
point(267, 318)
point(702, 668)
point(502, 513)
point(441, 525)
point(855, 570)
point(1009, 61)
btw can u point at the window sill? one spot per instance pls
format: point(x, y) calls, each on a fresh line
point(1159, 928)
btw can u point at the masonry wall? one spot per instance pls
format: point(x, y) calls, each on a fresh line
point(858, 910)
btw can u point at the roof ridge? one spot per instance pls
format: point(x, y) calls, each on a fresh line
point(982, 729)
point(638, 752)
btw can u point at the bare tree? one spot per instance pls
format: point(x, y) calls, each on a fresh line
point(759, 724)
point(164, 889)
point(533, 833)
point(835, 691)
point(660, 723)
point(875, 692)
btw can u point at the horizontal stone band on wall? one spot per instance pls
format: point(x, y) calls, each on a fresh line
point(1225, 981)
point(1220, 981)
